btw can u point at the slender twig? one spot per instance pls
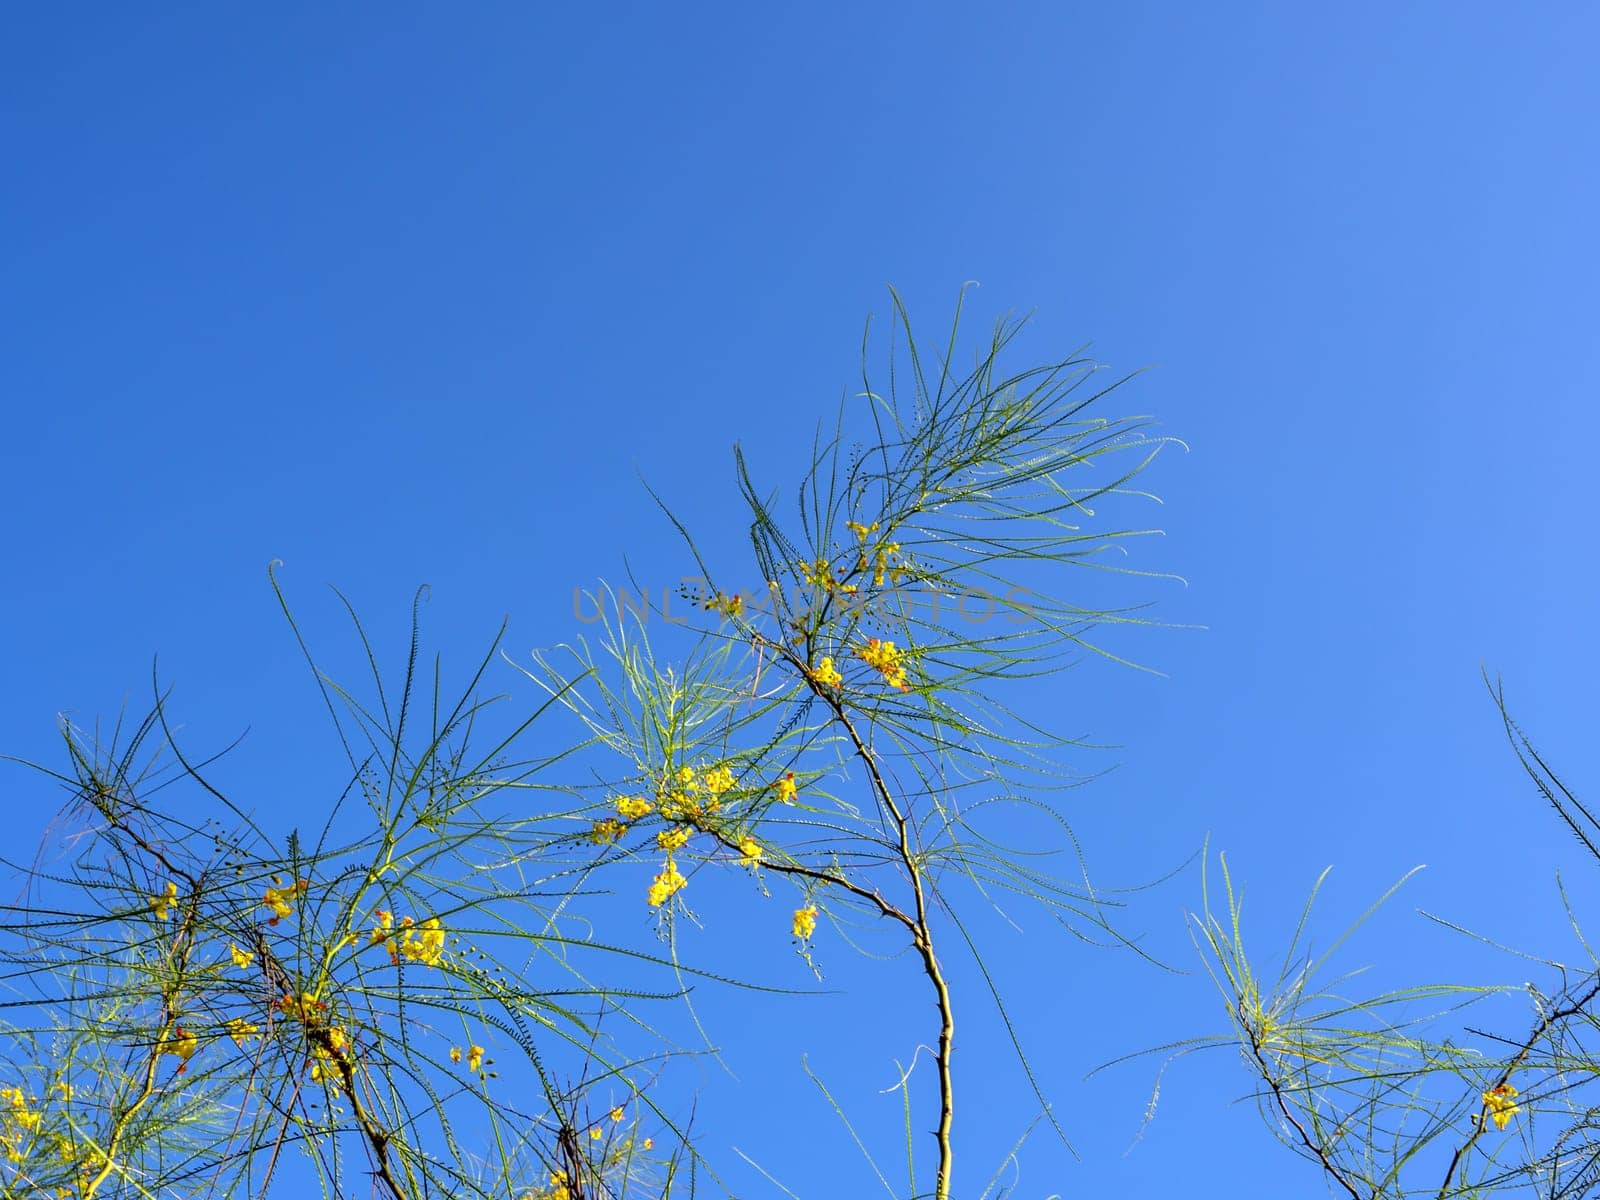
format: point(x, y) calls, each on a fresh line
point(918, 924)
point(872, 897)
point(1311, 1145)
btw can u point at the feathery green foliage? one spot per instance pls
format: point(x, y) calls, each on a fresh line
point(1388, 1094)
point(196, 1006)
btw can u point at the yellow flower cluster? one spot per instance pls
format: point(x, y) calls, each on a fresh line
point(805, 922)
point(674, 838)
point(181, 1044)
point(416, 943)
point(280, 898)
point(240, 1030)
point(619, 1151)
point(826, 674)
point(728, 606)
point(473, 1054)
point(820, 573)
point(680, 798)
point(241, 958)
point(633, 807)
point(161, 905)
point(329, 1043)
point(687, 796)
point(882, 563)
point(20, 1120)
point(667, 884)
point(328, 1055)
point(887, 660)
point(17, 1109)
point(676, 798)
point(421, 943)
point(305, 1007)
point(1500, 1105)
point(23, 1132)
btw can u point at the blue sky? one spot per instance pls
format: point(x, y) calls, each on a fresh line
point(419, 295)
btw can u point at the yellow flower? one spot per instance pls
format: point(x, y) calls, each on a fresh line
point(304, 1008)
point(883, 565)
point(474, 1057)
point(1501, 1105)
point(861, 531)
point(888, 661)
point(423, 943)
point(719, 780)
point(241, 1030)
point(596, 1134)
point(455, 1054)
point(615, 1114)
point(329, 1055)
point(826, 674)
point(817, 573)
point(382, 924)
point(750, 849)
point(805, 922)
point(649, 1143)
point(280, 901)
point(606, 831)
point(787, 789)
point(20, 1113)
point(633, 807)
point(672, 839)
point(666, 885)
point(686, 779)
point(728, 606)
point(241, 959)
point(162, 905)
point(181, 1045)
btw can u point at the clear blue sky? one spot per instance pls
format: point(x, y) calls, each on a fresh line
point(416, 294)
